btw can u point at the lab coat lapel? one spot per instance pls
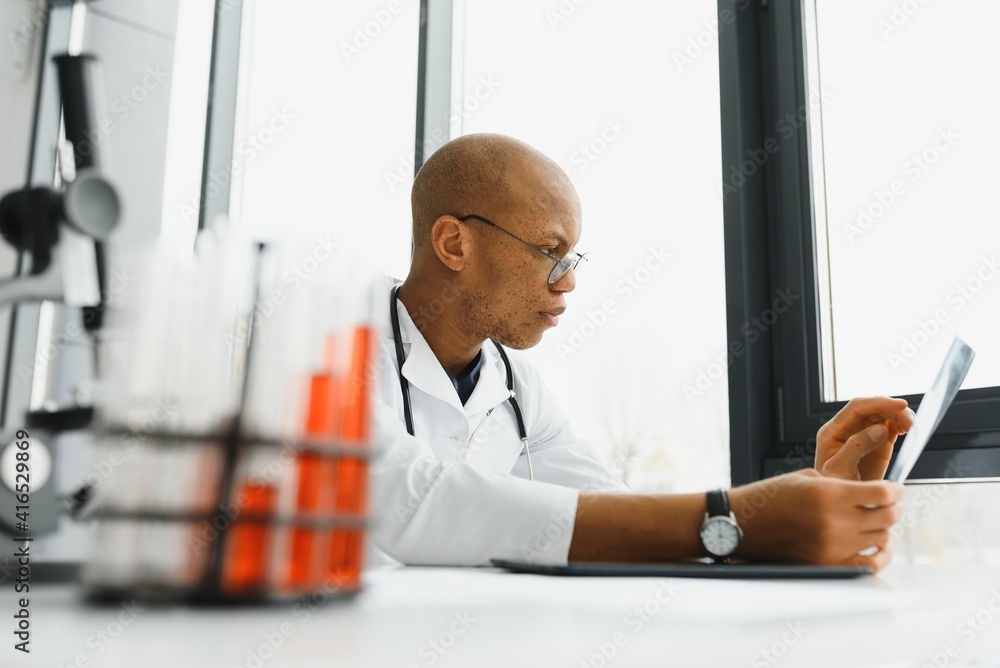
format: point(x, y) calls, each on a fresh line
point(422, 367)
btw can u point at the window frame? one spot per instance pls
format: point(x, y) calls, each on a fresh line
point(775, 385)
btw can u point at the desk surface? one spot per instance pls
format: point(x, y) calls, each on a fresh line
point(908, 615)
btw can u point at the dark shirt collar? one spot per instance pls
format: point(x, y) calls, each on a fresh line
point(467, 379)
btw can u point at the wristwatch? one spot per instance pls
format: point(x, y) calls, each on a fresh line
point(720, 534)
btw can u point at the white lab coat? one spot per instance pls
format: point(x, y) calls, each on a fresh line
point(436, 500)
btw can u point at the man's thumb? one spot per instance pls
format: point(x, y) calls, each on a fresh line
point(844, 464)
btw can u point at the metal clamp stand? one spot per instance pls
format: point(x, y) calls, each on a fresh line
point(62, 233)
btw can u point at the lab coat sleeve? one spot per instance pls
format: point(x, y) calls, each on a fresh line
point(431, 512)
point(557, 455)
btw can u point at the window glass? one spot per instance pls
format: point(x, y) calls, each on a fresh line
point(903, 162)
point(625, 97)
point(326, 123)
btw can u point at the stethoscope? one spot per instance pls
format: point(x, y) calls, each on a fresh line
point(405, 385)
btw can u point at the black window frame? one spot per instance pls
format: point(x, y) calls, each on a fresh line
point(775, 399)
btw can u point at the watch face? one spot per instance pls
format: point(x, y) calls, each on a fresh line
point(720, 537)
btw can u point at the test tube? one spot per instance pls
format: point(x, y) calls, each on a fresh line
point(319, 424)
point(246, 564)
point(288, 386)
point(210, 373)
point(346, 547)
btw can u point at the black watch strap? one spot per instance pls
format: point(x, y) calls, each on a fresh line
point(718, 503)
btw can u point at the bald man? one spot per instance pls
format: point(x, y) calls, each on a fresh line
point(495, 225)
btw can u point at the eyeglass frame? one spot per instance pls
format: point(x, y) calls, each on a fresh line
point(562, 262)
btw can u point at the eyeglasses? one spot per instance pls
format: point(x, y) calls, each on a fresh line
point(563, 264)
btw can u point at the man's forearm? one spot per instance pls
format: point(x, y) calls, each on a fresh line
point(799, 517)
point(637, 527)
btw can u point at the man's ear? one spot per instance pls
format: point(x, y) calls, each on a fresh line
point(448, 240)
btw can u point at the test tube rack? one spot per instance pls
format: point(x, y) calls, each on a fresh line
point(323, 546)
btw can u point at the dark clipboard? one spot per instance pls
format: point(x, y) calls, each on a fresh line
point(690, 570)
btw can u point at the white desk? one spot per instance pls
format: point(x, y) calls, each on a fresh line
point(481, 618)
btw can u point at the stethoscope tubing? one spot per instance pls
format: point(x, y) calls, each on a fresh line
point(405, 385)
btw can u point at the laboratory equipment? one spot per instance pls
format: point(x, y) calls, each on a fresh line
point(236, 412)
point(59, 231)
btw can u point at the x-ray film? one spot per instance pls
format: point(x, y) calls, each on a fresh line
point(933, 407)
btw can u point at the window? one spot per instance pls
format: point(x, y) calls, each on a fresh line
point(904, 152)
point(855, 139)
point(325, 125)
point(625, 97)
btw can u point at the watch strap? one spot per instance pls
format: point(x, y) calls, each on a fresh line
point(717, 503)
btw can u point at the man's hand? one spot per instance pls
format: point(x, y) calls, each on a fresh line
point(856, 444)
point(806, 518)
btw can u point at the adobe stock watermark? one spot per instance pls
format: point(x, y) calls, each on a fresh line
point(784, 129)
point(364, 35)
point(802, 456)
point(558, 529)
point(20, 37)
point(958, 298)
point(623, 462)
point(925, 497)
point(562, 12)
point(760, 497)
point(402, 513)
point(491, 424)
point(706, 39)
point(901, 14)
point(302, 611)
point(271, 642)
point(46, 353)
point(751, 330)
point(587, 153)
point(402, 173)
point(121, 108)
point(776, 651)
point(294, 277)
point(561, 522)
point(635, 621)
point(102, 639)
point(438, 646)
point(162, 412)
point(425, 315)
point(246, 152)
point(624, 289)
point(227, 513)
point(913, 169)
point(429, 313)
point(965, 632)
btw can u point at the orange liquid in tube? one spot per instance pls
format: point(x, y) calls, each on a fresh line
point(320, 423)
point(246, 566)
point(352, 472)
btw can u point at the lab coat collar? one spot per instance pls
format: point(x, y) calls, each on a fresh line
point(491, 390)
point(423, 369)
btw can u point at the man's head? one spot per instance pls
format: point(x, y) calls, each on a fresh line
point(503, 291)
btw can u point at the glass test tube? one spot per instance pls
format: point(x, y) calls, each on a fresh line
point(345, 555)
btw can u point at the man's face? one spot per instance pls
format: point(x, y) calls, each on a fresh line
point(508, 296)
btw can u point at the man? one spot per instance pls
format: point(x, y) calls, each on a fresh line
point(494, 227)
